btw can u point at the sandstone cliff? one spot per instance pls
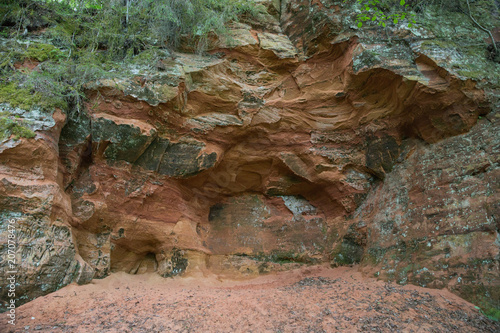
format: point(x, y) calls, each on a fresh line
point(297, 139)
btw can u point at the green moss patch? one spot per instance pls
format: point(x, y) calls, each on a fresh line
point(19, 97)
point(42, 52)
point(16, 127)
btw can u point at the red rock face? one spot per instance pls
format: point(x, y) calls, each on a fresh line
point(277, 149)
point(434, 220)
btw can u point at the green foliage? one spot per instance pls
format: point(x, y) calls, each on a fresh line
point(18, 97)
point(42, 52)
point(89, 37)
point(16, 127)
point(492, 313)
point(385, 12)
point(56, 83)
point(122, 28)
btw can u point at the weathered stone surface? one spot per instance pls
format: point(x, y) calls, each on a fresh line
point(281, 228)
point(151, 158)
point(123, 140)
point(31, 196)
point(177, 159)
point(95, 248)
point(185, 159)
point(279, 44)
point(209, 121)
point(239, 36)
point(34, 120)
point(351, 249)
point(75, 146)
point(46, 250)
point(434, 220)
point(172, 264)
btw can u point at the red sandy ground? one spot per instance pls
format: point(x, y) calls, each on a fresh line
point(311, 299)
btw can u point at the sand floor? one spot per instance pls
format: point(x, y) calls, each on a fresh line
point(310, 299)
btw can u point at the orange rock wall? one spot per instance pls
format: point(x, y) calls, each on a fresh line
point(284, 145)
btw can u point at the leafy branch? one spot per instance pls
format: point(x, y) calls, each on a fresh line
point(482, 28)
point(372, 12)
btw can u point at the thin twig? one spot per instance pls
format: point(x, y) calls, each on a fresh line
point(483, 28)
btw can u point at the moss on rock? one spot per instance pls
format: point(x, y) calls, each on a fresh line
point(12, 126)
point(19, 97)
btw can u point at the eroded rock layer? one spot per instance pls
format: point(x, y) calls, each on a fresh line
point(295, 140)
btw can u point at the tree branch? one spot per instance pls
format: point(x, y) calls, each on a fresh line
point(483, 28)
